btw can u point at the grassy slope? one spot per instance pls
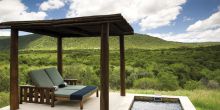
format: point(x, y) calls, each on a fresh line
point(24, 41)
point(202, 99)
point(38, 42)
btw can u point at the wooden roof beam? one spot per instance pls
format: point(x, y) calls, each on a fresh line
point(62, 22)
point(121, 29)
point(117, 27)
point(42, 32)
point(69, 31)
point(85, 23)
point(76, 29)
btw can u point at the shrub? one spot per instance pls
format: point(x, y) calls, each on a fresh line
point(88, 76)
point(191, 85)
point(181, 71)
point(213, 84)
point(130, 80)
point(71, 71)
point(217, 78)
point(114, 78)
point(84, 73)
point(4, 99)
point(4, 79)
point(130, 76)
point(168, 81)
point(216, 75)
point(139, 63)
point(146, 83)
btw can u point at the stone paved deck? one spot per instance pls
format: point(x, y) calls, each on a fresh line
point(93, 103)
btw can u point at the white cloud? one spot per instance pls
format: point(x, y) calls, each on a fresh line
point(197, 36)
point(52, 4)
point(162, 18)
point(11, 10)
point(207, 30)
point(212, 22)
point(151, 13)
point(7, 32)
point(15, 10)
point(185, 19)
point(4, 32)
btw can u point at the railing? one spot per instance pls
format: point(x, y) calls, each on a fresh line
point(32, 94)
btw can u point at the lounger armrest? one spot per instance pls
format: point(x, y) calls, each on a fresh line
point(33, 94)
point(72, 81)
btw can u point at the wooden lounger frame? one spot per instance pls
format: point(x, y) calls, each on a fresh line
point(45, 95)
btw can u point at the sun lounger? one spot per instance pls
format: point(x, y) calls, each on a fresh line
point(49, 87)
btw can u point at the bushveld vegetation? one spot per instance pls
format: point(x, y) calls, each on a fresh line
point(180, 69)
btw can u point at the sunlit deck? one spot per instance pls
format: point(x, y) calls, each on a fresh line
point(117, 102)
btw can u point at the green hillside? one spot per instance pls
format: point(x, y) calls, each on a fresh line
point(39, 42)
point(153, 65)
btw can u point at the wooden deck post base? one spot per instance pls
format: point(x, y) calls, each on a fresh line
point(97, 93)
point(81, 105)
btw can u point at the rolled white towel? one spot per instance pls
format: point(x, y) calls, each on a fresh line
point(56, 87)
point(65, 84)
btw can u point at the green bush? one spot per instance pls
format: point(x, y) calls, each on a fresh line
point(4, 79)
point(88, 76)
point(84, 73)
point(168, 81)
point(114, 78)
point(139, 63)
point(166, 69)
point(146, 83)
point(191, 85)
point(213, 84)
point(216, 75)
point(4, 99)
point(182, 71)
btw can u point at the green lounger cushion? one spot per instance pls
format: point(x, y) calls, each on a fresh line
point(73, 87)
point(55, 76)
point(63, 92)
point(40, 78)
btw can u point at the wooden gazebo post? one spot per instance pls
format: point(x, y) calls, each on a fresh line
point(104, 64)
point(60, 55)
point(14, 98)
point(122, 65)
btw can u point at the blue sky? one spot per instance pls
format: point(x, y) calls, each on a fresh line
point(194, 10)
point(174, 20)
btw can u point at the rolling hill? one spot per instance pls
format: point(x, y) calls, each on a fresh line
point(139, 41)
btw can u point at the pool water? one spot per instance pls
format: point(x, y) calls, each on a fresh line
point(145, 105)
